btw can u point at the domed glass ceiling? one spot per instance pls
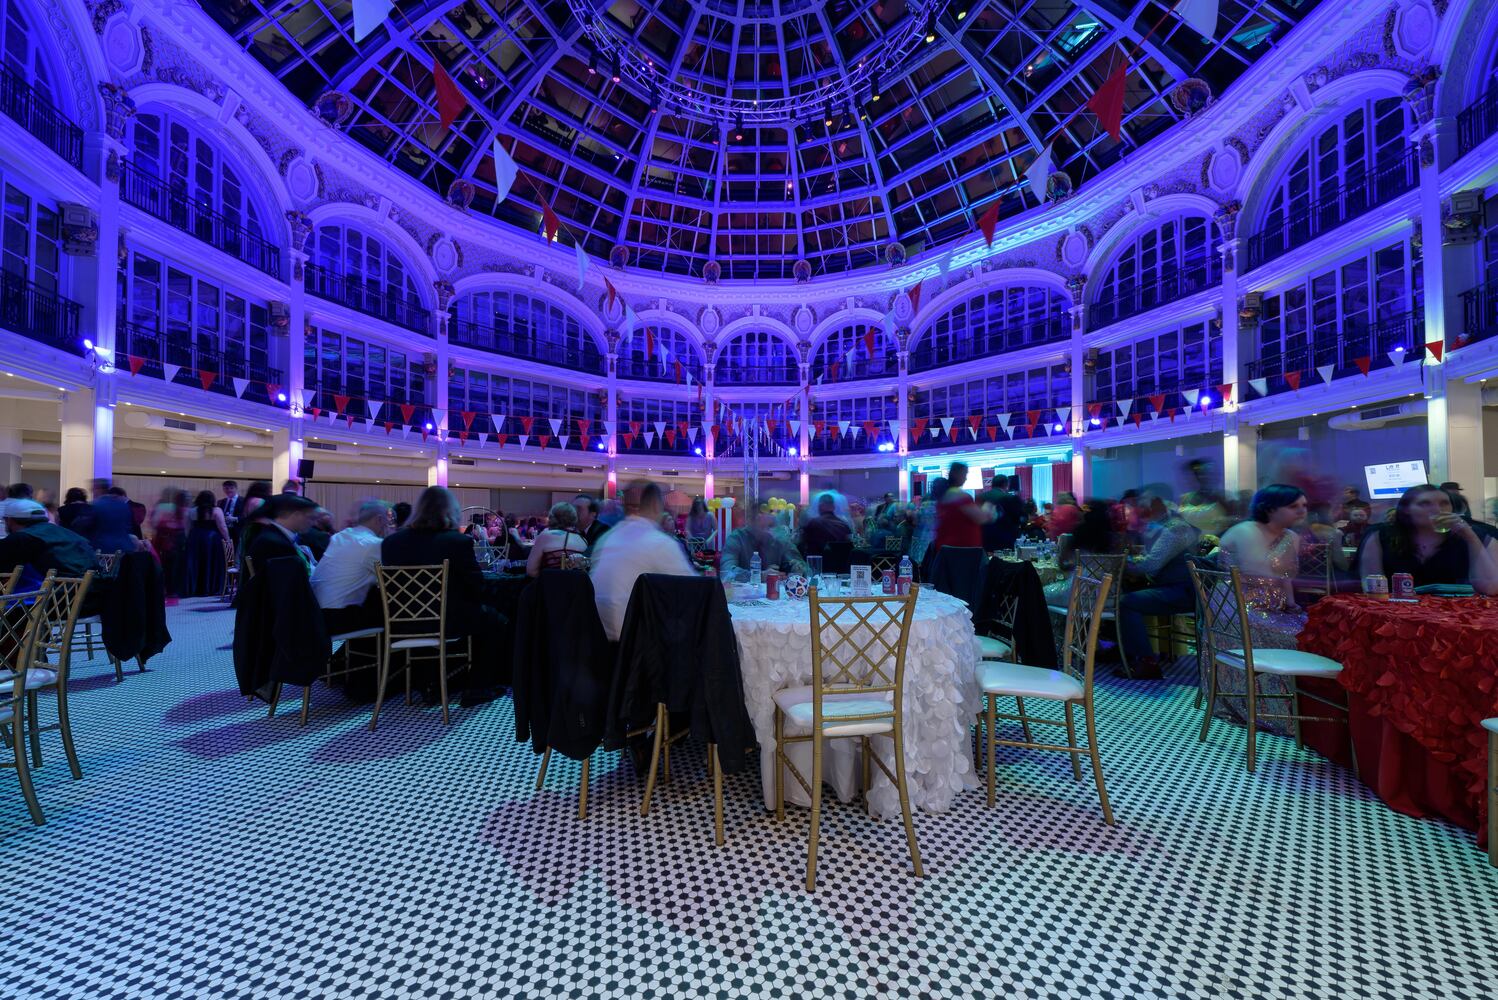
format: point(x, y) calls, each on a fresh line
point(750, 132)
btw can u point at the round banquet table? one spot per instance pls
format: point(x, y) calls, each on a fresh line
point(941, 698)
point(1419, 679)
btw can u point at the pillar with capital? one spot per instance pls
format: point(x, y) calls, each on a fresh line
point(437, 472)
point(902, 412)
point(611, 417)
point(1240, 442)
point(1081, 464)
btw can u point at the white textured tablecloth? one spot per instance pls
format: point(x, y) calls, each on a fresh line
point(941, 700)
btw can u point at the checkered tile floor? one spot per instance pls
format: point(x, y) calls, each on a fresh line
point(210, 853)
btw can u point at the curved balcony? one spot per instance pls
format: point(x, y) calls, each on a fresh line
point(775, 374)
point(1401, 335)
point(369, 299)
point(930, 353)
point(526, 346)
point(38, 313)
point(20, 102)
point(1167, 288)
point(1334, 207)
point(171, 205)
point(1480, 311)
point(1476, 122)
point(194, 363)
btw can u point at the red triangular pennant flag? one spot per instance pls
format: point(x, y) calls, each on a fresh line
point(629, 439)
point(407, 411)
point(677, 365)
point(1136, 417)
point(1226, 392)
point(918, 427)
point(993, 432)
point(206, 377)
point(583, 423)
point(1364, 363)
point(1034, 418)
point(670, 436)
point(468, 416)
point(389, 425)
point(915, 298)
point(613, 292)
point(545, 439)
point(1292, 379)
point(635, 425)
point(450, 100)
point(272, 390)
point(463, 436)
point(649, 342)
point(770, 425)
point(870, 428)
point(1171, 413)
point(501, 438)
point(424, 432)
point(1107, 101)
point(316, 411)
point(137, 362)
point(832, 369)
point(682, 428)
point(989, 221)
point(821, 426)
point(348, 419)
point(1435, 347)
point(340, 404)
point(1157, 400)
point(868, 341)
point(550, 224)
point(525, 424)
point(1093, 409)
point(584, 440)
point(973, 422)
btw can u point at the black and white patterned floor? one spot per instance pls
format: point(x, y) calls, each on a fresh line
point(211, 853)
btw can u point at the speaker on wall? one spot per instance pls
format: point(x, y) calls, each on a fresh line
point(304, 468)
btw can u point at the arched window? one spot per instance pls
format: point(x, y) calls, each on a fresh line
point(491, 396)
point(1045, 391)
point(756, 358)
point(28, 81)
point(849, 347)
point(671, 346)
point(182, 177)
point(360, 271)
point(666, 426)
point(1344, 169)
point(523, 326)
point(1161, 264)
point(843, 423)
point(366, 370)
point(1186, 358)
point(993, 322)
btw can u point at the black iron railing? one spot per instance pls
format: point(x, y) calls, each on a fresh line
point(652, 370)
point(39, 313)
point(931, 353)
point(20, 102)
point(886, 365)
point(1391, 341)
point(1354, 198)
point(1166, 288)
point(156, 351)
point(1476, 122)
point(369, 299)
point(526, 345)
point(172, 205)
point(1480, 311)
point(770, 374)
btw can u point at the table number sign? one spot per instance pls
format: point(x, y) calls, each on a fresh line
point(862, 580)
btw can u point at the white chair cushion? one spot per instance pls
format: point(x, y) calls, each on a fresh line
point(414, 644)
point(796, 703)
point(1285, 662)
point(994, 649)
point(363, 633)
point(1491, 725)
point(37, 677)
point(1018, 680)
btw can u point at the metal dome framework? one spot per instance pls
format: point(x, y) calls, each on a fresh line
point(915, 154)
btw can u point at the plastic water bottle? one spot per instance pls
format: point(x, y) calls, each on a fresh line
point(754, 570)
point(906, 572)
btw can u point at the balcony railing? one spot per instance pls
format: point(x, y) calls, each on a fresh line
point(930, 353)
point(1476, 122)
point(171, 205)
point(159, 350)
point(402, 310)
point(1358, 196)
point(886, 365)
point(1402, 334)
point(39, 313)
point(775, 374)
point(20, 102)
point(647, 370)
point(1480, 311)
point(525, 345)
point(1166, 288)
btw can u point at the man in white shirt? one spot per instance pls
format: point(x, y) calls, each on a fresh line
point(634, 546)
point(344, 579)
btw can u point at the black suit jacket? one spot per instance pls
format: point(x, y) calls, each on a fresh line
point(465, 581)
point(270, 543)
point(564, 665)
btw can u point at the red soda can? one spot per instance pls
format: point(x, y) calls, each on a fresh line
point(772, 585)
point(889, 583)
point(1402, 585)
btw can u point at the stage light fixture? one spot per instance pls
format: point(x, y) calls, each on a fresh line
point(615, 74)
point(876, 88)
point(827, 121)
point(847, 117)
point(738, 127)
point(931, 29)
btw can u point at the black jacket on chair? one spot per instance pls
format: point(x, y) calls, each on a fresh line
point(132, 609)
point(279, 634)
point(958, 571)
point(563, 667)
point(678, 649)
point(271, 543)
point(1033, 640)
point(465, 581)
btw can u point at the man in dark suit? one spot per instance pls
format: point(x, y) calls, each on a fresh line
point(233, 507)
point(290, 515)
point(588, 524)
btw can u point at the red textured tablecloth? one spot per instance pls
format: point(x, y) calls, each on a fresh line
point(1420, 678)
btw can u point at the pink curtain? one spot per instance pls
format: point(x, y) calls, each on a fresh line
point(1026, 476)
point(1060, 478)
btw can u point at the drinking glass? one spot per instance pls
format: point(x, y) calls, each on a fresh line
point(814, 563)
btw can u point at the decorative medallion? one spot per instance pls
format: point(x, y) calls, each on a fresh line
point(1059, 186)
point(709, 322)
point(303, 181)
point(121, 41)
point(1414, 31)
point(802, 320)
point(801, 271)
point(1191, 96)
point(333, 108)
point(711, 272)
point(619, 256)
point(894, 254)
point(444, 253)
point(460, 194)
point(1074, 249)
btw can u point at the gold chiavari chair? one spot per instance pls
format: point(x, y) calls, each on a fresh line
point(91, 627)
point(354, 660)
point(415, 603)
point(9, 580)
point(21, 625)
point(1229, 641)
point(858, 677)
point(1098, 565)
point(1072, 685)
point(1316, 570)
point(60, 609)
point(1491, 725)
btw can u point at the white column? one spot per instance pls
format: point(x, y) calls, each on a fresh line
point(287, 441)
point(803, 448)
point(78, 454)
point(95, 284)
point(709, 447)
point(902, 415)
point(1081, 463)
point(1453, 424)
point(10, 457)
point(437, 470)
point(1240, 456)
point(611, 418)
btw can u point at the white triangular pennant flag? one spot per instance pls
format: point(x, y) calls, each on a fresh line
point(556, 425)
point(660, 427)
point(240, 385)
point(563, 439)
point(1191, 396)
point(973, 431)
point(369, 15)
point(630, 319)
point(1325, 371)
point(1201, 15)
point(504, 172)
point(523, 439)
point(842, 427)
point(1261, 385)
point(692, 434)
point(332, 416)
point(946, 425)
point(582, 265)
point(1003, 419)
point(707, 429)
point(1039, 170)
point(1124, 406)
point(171, 372)
point(374, 408)
point(1397, 357)
point(369, 423)
point(405, 430)
point(650, 439)
point(796, 429)
point(439, 419)
point(308, 398)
